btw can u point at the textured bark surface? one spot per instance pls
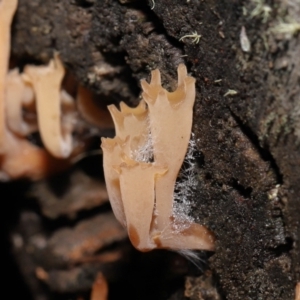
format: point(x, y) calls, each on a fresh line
point(248, 142)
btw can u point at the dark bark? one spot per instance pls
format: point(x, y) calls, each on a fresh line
point(248, 143)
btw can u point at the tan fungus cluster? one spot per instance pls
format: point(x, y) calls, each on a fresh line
point(142, 162)
point(19, 94)
point(35, 101)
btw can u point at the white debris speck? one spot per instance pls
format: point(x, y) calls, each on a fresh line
point(245, 43)
point(230, 93)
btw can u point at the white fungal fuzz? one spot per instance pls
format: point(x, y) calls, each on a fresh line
point(185, 188)
point(144, 153)
point(194, 257)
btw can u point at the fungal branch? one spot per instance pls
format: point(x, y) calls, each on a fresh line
point(18, 157)
point(46, 82)
point(41, 87)
point(131, 128)
point(7, 11)
point(141, 191)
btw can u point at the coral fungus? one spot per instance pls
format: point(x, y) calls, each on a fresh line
point(33, 101)
point(142, 162)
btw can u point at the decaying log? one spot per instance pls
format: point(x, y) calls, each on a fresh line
point(245, 58)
